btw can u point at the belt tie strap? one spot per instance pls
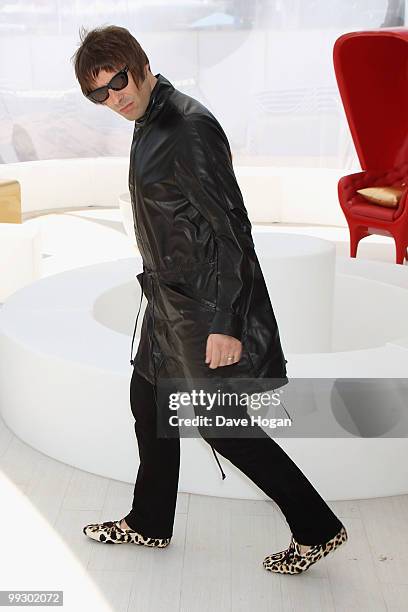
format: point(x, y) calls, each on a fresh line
point(219, 464)
point(132, 361)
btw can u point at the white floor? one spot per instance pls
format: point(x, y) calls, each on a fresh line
point(215, 559)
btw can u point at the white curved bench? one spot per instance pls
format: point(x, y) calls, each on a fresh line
point(64, 385)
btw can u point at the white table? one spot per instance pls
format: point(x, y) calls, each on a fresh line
point(125, 207)
point(20, 257)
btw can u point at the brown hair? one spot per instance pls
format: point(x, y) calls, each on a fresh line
point(107, 48)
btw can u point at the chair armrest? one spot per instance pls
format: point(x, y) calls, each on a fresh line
point(348, 185)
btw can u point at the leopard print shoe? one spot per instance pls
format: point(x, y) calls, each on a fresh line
point(291, 561)
point(111, 532)
point(281, 554)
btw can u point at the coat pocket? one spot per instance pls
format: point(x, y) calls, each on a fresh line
point(200, 284)
point(183, 295)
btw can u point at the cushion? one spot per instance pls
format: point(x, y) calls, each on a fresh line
point(10, 201)
point(383, 196)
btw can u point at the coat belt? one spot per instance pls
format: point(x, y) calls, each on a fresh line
point(150, 274)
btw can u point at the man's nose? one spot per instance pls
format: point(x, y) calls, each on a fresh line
point(116, 97)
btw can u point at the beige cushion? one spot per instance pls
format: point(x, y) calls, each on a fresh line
point(384, 196)
point(10, 201)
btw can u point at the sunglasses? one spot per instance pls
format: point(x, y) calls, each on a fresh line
point(117, 82)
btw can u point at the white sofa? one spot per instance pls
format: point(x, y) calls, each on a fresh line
point(285, 195)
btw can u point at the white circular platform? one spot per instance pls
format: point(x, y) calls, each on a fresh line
point(65, 350)
point(299, 272)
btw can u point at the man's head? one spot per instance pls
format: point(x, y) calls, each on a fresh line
point(103, 53)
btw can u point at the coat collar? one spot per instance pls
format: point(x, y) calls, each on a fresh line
point(159, 94)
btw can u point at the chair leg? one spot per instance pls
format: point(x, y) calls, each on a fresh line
point(401, 252)
point(356, 234)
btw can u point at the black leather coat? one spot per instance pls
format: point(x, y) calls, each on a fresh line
point(201, 273)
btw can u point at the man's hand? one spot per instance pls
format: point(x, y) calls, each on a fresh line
point(219, 348)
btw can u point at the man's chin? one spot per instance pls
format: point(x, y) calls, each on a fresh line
point(128, 116)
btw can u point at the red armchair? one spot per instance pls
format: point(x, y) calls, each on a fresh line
point(372, 75)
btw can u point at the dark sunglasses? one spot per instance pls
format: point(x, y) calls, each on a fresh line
point(117, 82)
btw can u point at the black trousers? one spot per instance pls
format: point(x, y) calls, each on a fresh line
point(310, 519)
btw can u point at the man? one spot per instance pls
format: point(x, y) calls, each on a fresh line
point(209, 315)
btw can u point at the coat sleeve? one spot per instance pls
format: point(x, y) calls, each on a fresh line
point(205, 176)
